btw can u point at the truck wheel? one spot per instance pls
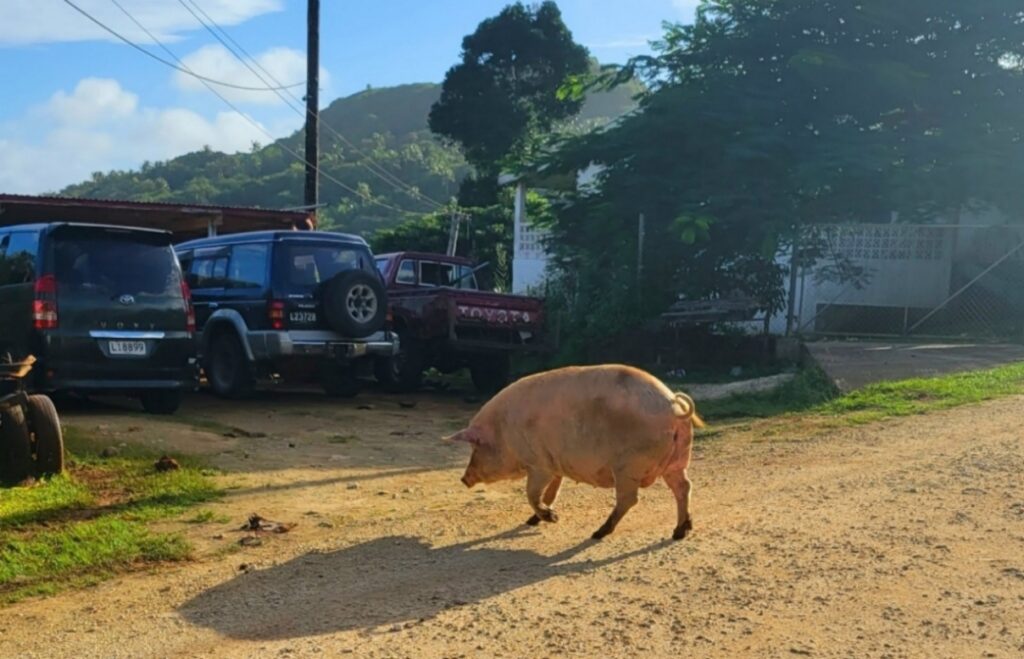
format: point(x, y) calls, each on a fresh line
point(161, 401)
point(339, 382)
point(355, 303)
point(49, 440)
point(490, 373)
point(228, 368)
point(15, 446)
point(403, 372)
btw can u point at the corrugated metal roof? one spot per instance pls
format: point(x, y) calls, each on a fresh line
point(57, 200)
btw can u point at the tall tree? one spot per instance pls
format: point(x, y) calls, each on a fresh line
point(504, 91)
point(766, 116)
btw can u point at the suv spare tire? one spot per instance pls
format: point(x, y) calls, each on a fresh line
point(355, 303)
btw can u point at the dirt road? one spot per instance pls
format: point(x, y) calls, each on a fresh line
point(898, 539)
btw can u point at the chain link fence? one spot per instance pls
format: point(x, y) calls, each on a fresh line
point(964, 282)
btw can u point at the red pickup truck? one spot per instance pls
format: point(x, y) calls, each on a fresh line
point(445, 321)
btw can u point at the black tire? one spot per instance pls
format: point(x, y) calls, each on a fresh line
point(355, 303)
point(403, 372)
point(48, 439)
point(161, 401)
point(491, 373)
point(227, 367)
point(339, 382)
point(16, 461)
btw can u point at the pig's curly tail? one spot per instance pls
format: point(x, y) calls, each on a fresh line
point(689, 409)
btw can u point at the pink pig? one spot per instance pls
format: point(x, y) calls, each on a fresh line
point(609, 426)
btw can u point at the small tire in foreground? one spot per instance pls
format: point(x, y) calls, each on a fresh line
point(161, 401)
point(46, 433)
point(16, 463)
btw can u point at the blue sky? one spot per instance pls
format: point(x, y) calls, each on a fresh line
point(76, 101)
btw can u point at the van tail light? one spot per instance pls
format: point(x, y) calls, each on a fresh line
point(275, 311)
point(190, 311)
point(44, 303)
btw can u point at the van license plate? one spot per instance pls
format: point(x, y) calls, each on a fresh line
point(307, 317)
point(135, 348)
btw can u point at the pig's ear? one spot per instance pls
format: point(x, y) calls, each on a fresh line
point(469, 435)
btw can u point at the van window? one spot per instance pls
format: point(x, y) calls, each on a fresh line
point(115, 263)
point(467, 278)
point(18, 258)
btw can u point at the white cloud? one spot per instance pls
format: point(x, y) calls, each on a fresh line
point(47, 21)
point(99, 126)
point(93, 100)
point(285, 65)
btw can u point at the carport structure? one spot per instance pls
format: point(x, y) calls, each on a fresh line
point(185, 221)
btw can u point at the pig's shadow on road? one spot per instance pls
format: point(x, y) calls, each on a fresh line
point(386, 581)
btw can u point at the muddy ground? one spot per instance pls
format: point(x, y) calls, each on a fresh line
point(904, 538)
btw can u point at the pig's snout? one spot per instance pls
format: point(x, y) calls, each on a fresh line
point(469, 480)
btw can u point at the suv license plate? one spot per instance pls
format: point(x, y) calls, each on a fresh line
point(135, 348)
point(302, 317)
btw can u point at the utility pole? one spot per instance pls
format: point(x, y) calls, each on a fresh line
point(312, 196)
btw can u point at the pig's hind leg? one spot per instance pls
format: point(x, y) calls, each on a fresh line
point(548, 499)
point(538, 484)
point(679, 483)
point(626, 495)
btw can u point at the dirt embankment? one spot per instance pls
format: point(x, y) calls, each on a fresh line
point(898, 539)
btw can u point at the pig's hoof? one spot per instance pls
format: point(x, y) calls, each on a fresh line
point(682, 530)
point(548, 516)
point(600, 533)
point(533, 521)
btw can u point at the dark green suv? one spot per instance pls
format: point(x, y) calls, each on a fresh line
point(103, 309)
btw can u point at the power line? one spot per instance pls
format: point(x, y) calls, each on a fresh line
point(372, 166)
point(182, 69)
point(257, 125)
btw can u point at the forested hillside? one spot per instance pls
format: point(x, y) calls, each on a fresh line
point(386, 138)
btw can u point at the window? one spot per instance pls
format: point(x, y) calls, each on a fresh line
point(208, 270)
point(305, 266)
point(467, 278)
point(18, 258)
point(436, 274)
point(248, 266)
point(113, 262)
point(406, 273)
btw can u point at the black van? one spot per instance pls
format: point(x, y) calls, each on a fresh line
point(294, 305)
point(102, 308)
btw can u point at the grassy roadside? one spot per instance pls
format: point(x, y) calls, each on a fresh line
point(92, 522)
point(811, 394)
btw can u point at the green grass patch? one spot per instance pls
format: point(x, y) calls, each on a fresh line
point(812, 393)
point(91, 523)
point(808, 390)
point(906, 397)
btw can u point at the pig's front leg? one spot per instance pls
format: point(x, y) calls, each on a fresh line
point(626, 496)
point(536, 483)
point(550, 494)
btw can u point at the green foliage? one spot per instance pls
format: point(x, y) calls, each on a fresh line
point(388, 126)
point(766, 117)
point(504, 91)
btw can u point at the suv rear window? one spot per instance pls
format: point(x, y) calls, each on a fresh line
point(115, 263)
point(306, 266)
